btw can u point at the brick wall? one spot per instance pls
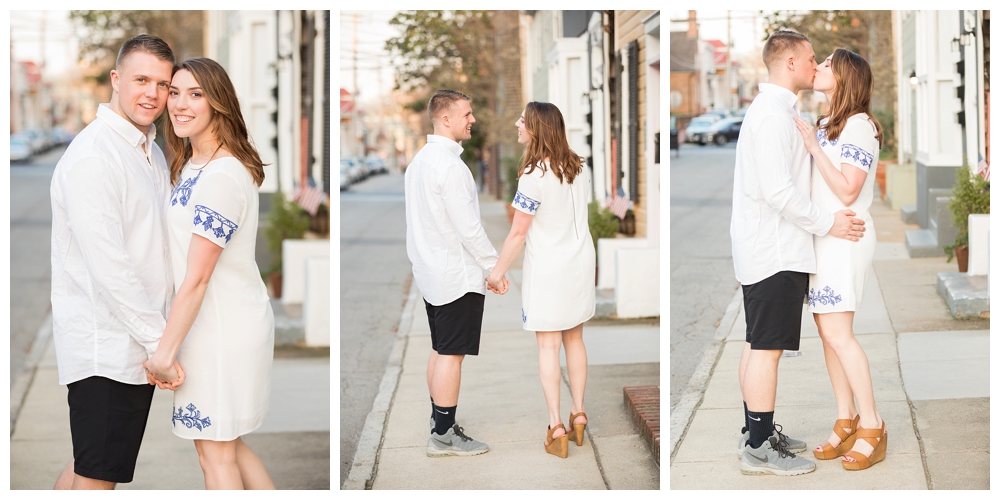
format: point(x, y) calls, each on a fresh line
point(629, 27)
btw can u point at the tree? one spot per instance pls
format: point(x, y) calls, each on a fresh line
point(447, 50)
point(865, 32)
point(103, 32)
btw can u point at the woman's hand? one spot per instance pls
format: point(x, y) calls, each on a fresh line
point(808, 135)
point(163, 373)
point(497, 285)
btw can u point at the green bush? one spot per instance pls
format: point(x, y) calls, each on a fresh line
point(286, 220)
point(603, 223)
point(511, 165)
point(971, 195)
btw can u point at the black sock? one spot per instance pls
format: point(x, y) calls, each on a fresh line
point(761, 427)
point(433, 414)
point(746, 418)
point(445, 418)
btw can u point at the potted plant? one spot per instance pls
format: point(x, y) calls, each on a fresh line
point(286, 220)
point(971, 195)
point(603, 224)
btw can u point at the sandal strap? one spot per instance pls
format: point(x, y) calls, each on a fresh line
point(862, 460)
point(572, 417)
point(842, 423)
point(549, 439)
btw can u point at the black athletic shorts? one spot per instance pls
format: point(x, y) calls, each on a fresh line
point(457, 326)
point(107, 420)
point(774, 311)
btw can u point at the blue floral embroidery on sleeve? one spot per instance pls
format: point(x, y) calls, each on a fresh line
point(191, 419)
point(211, 220)
point(520, 200)
point(852, 152)
point(827, 297)
point(182, 192)
point(821, 137)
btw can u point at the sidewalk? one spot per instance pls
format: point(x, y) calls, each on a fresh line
point(293, 442)
point(501, 404)
point(930, 374)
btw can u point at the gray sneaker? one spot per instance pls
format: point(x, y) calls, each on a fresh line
point(773, 458)
point(454, 442)
point(791, 444)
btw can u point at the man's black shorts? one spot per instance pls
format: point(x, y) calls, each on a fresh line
point(457, 326)
point(107, 420)
point(774, 311)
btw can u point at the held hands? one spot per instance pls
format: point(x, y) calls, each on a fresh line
point(165, 375)
point(497, 285)
point(808, 135)
point(846, 226)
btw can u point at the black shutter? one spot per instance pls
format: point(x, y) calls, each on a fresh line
point(633, 120)
point(326, 103)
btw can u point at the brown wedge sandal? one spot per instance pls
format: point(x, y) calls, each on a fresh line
point(878, 439)
point(575, 432)
point(846, 439)
point(557, 446)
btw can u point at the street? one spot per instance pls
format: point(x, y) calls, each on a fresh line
point(30, 270)
point(374, 283)
point(702, 279)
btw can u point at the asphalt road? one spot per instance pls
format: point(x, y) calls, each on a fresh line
point(30, 243)
point(702, 278)
point(374, 283)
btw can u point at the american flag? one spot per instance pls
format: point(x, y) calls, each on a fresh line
point(983, 169)
point(309, 198)
point(618, 205)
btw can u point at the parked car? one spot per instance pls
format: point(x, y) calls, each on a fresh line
point(720, 113)
point(376, 165)
point(724, 131)
point(61, 136)
point(697, 129)
point(357, 169)
point(20, 148)
point(345, 174)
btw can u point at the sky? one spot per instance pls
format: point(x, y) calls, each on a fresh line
point(371, 31)
point(28, 29)
point(746, 26)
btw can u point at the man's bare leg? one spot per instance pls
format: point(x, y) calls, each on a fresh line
point(447, 379)
point(86, 483)
point(65, 479)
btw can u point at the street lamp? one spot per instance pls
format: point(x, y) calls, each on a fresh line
point(913, 79)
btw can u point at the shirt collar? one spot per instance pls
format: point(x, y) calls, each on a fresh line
point(780, 92)
point(452, 146)
point(133, 136)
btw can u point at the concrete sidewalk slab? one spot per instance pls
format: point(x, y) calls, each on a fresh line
point(945, 365)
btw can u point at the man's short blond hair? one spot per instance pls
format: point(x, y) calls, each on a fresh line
point(779, 44)
point(442, 100)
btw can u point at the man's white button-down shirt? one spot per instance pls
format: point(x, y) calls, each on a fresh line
point(111, 277)
point(773, 220)
point(445, 239)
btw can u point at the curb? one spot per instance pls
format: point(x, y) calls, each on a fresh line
point(365, 464)
point(643, 405)
point(19, 390)
point(682, 414)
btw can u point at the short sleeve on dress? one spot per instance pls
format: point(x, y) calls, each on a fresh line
point(858, 145)
point(219, 202)
point(529, 192)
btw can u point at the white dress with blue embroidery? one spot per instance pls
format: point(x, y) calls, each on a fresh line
point(557, 289)
point(227, 353)
point(842, 266)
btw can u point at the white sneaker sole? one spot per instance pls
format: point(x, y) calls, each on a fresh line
point(437, 453)
point(754, 470)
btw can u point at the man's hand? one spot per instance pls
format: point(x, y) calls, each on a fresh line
point(846, 226)
point(170, 378)
point(497, 285)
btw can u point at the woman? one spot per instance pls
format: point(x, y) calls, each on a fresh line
point(844, 151)
point(557, 292)
point(220, 328)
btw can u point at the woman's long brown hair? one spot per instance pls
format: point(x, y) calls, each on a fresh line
point(227, 120)
point(853, 94)
point(544, 123)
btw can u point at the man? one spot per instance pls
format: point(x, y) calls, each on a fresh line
point(448, 247)
point(111, 284)
point(772, 227)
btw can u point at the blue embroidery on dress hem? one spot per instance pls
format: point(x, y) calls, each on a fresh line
point(182, 192)
point(208, 222)
point(827, 297)
point(524, 319)
point(526, 203)
point(852, 152)
point(192, 419)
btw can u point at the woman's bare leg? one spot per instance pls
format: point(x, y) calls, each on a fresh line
point(576, 365)
point(252, 470)
point(841, 386)
point(549, 372)
point(218, 463)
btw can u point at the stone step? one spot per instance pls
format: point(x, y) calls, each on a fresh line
point(643, 405)
point(908, 213)
point(966, 296)
point(922, 243)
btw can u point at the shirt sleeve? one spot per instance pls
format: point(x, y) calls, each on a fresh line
point(858, 144)
point(771, 149)
point(92, 197)
point(458, 191)
point(219, 205)
point(529, 193)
